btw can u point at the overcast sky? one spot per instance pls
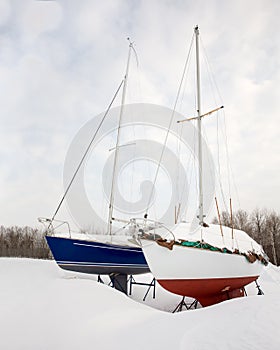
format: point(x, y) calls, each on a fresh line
point(61, 62)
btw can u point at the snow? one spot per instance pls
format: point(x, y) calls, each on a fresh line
point(183, 230)
point(212, 235)
point(44, 307)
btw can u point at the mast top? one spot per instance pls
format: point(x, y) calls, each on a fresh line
point(130, 42)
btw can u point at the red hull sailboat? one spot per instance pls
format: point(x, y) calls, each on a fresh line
point(209, 272)
point(210, 264)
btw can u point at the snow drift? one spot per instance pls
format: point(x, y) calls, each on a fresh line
point(43, 307)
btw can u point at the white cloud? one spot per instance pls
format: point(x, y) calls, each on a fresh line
point(61, 61)
point(5, 10)
point(38, 17)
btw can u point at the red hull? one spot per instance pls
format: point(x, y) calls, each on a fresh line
point(209, 291)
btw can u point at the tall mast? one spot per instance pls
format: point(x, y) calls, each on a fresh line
point(111, 204)
point(200, 207)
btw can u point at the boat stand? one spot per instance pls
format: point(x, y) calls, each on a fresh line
point(150, 285)
point(260, 292)
point(100, 280)
point(183, 304)
point(120, 282)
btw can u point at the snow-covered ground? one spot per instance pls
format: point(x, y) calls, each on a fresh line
point(44, 307)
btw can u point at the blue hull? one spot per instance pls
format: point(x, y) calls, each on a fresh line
point(97, 258)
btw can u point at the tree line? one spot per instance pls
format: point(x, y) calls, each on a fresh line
point(262, 225)
point(24, 242)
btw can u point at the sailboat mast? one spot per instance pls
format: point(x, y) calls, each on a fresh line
point(200, 207)
point(111, 204)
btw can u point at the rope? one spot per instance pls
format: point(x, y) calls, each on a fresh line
point(215, 88)
point(229, 167)
point(170, 122)
point(86, 152)
point(121, 228)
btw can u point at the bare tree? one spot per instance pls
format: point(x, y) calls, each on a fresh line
point(23, 242)
point(241, 220)
point(258, 220)
point(273, 232)
point(261, 225)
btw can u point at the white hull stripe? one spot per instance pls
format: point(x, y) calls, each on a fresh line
point(114, 248)
point(100, 264)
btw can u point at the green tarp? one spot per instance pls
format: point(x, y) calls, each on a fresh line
point(199, 244)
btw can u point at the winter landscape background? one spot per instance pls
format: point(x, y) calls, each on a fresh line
point(60, 62)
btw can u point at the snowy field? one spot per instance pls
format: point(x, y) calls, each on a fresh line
point(44, 307)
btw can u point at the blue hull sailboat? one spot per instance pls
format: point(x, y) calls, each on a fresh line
point(97, 258)
point(103, 255)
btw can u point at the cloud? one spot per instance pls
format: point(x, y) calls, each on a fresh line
point(61, 62)
point(39, 17)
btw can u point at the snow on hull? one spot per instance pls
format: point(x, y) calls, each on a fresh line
point(212, 235)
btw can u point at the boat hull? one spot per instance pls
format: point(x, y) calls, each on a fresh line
point(97, 258)
point(208, 276)
point(208, 291)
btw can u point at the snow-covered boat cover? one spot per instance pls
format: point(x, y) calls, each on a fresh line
point(218, 236)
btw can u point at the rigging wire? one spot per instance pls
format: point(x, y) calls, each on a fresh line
point(229, 168)
point(179, 147)
point(170, 122)
point(86, 152)
point(138, 76)
point(189, 165)
point(224, 133)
